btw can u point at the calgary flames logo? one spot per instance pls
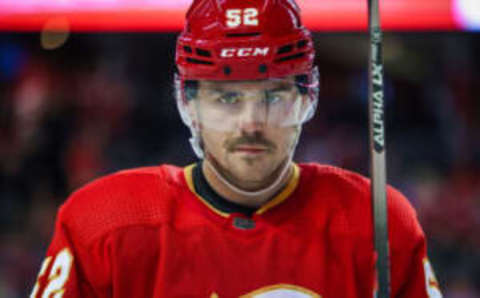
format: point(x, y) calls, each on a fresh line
point(279, 291)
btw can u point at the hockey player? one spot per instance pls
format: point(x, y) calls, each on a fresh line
point(245, 221)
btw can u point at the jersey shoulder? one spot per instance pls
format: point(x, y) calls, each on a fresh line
point(350, 193)
point(332, 174)
point(140, 196)
point(342, 186)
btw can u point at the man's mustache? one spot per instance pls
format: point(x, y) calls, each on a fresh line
point(252, 140)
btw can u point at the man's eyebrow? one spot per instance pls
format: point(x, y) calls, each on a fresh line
point(221, 90)
point(283, 87)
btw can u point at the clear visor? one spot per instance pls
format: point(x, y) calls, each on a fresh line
point(235, 105)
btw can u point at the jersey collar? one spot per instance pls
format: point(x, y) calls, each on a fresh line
point(199, 186)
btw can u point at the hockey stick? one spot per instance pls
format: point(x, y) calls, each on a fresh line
point(377, 150)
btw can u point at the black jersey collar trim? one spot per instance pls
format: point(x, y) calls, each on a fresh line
point(198, 185)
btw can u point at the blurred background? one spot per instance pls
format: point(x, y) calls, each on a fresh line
point(78, 104)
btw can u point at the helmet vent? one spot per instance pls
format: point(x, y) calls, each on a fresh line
point(187, 49)
point(202, 52)
point(242, 34)
point(291, 57)
point(285, 49)
point(198, 61)
point(302, 43)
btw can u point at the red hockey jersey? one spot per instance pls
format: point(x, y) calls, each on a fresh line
point(148, 233)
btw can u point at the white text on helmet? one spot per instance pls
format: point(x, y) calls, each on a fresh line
point(234, 17)
point(243, 52)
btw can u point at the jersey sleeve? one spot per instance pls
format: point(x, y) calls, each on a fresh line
point(411, 272)
point(70, 268)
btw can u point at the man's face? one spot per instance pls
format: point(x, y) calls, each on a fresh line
point(248, 128)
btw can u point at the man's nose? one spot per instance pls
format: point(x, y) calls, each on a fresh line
point(253, 117)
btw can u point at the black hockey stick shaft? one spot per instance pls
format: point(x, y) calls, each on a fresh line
point(378, 171)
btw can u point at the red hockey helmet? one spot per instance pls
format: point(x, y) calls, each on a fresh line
point(243, 40)
point(255, 63)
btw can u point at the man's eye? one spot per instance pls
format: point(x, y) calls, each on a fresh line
point(271, 97)
point(229, 98)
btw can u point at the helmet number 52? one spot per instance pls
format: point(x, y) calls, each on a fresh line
point(237, 17)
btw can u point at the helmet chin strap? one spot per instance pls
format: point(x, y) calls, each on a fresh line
point(255, 193)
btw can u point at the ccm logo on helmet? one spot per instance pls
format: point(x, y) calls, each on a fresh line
point(244, 52)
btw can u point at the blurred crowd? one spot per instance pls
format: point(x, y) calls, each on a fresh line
point(104, 102)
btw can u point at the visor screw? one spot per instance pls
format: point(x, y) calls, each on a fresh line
point(262, 68)
point(227, 70)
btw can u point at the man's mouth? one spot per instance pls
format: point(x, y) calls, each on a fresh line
point(251, 149)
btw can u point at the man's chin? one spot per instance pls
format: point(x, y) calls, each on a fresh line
point(250, 184)
point(250, 174)
point(249, 177)
point(250, 161)
point(251, 167)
